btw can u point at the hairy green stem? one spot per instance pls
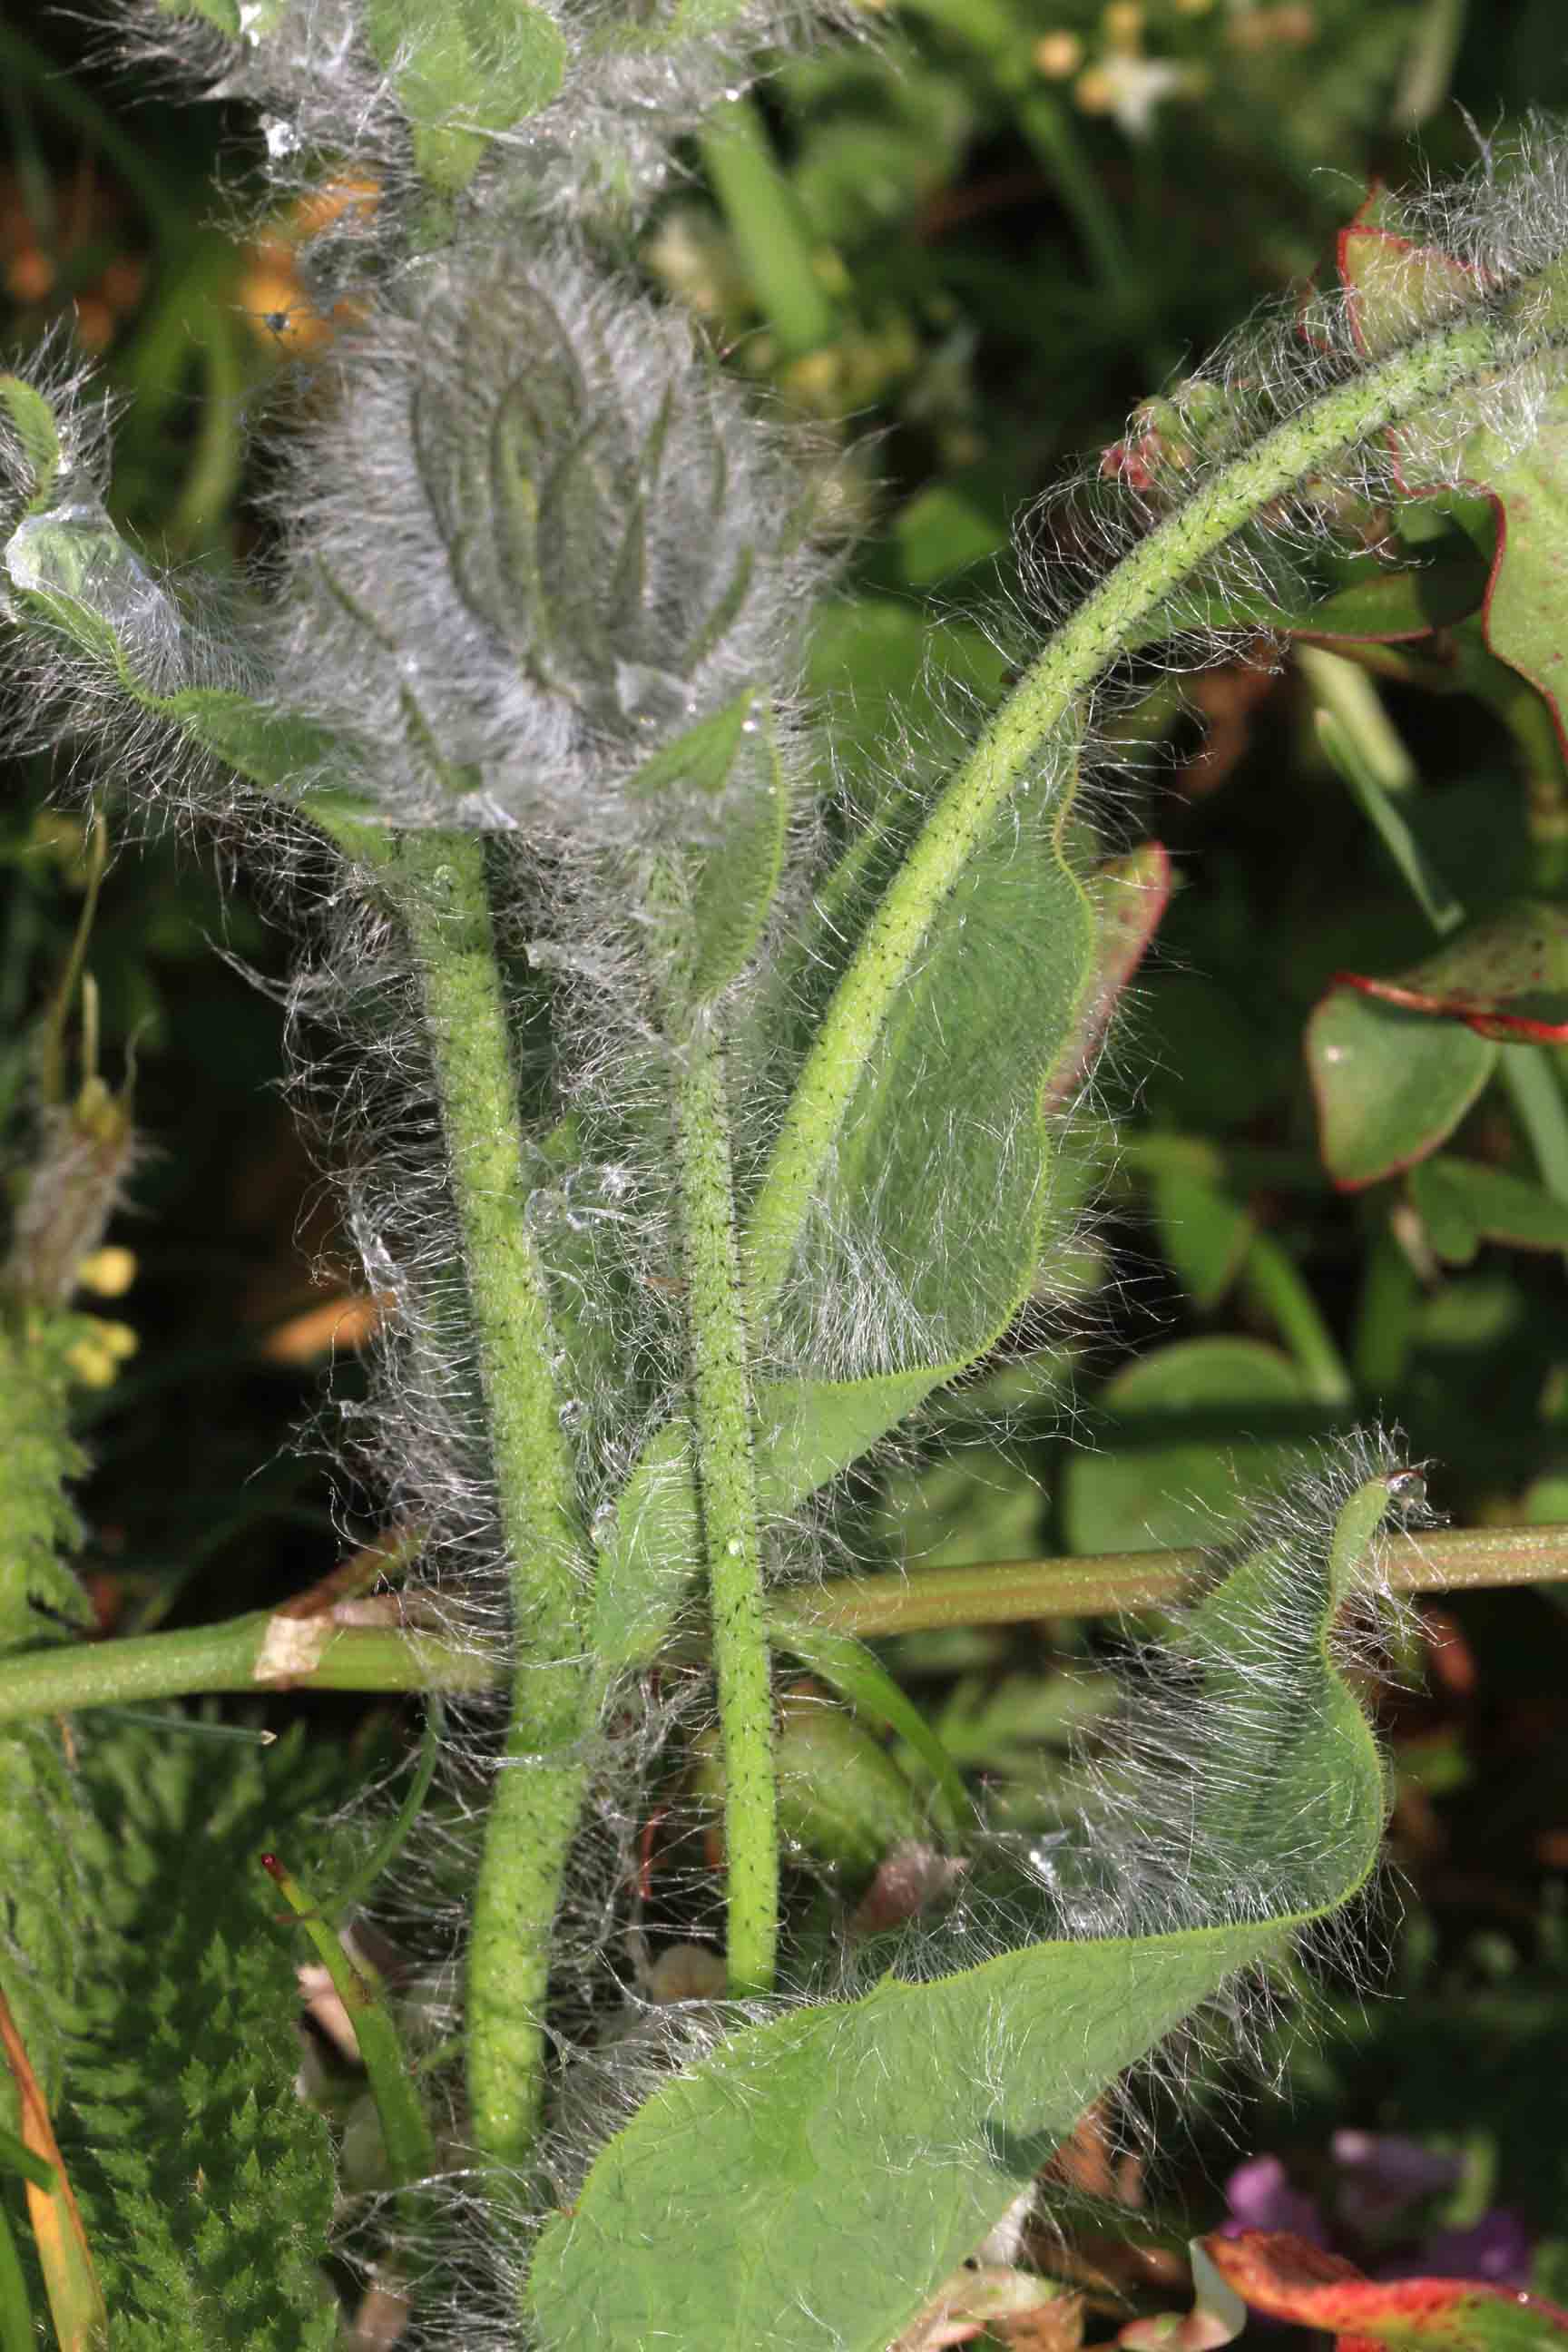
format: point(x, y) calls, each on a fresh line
point(438, 883)
point(1008, 756)
point(67, 1677)
point(1013, 1592)
point(726, 1479)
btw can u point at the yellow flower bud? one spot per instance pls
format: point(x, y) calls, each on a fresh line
point(107, 1273)
point(91, 1363)
point(1058, 55)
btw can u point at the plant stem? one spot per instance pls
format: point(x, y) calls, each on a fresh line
point(438, 883)
point(1047, 124)
point(258, 1653)
point(1274, 1281)
point(726, 1475)
point(71, 1677)
point(760, 209)
point(1008, 755)
point(1013, 1592)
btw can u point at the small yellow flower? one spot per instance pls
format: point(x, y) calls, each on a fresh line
point(93, 1366)
point(1058, 55)
point(95, 1357)
point(107, 1273)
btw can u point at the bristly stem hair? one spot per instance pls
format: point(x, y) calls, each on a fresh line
point(1044, 710)
point(722, 1412)
point(438, 883)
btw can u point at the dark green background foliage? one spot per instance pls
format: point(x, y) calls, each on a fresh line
point(1000, 271)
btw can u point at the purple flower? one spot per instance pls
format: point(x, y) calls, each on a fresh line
point(1496, 2249)
point(1258, 2196)
point(1381, 2173)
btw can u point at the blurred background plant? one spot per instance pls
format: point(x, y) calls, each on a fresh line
point(967, 244)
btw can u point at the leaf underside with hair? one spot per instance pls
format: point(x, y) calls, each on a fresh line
point(927, 1235)
point(853, 2154)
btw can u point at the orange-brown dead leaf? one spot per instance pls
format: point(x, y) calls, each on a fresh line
point(75, 2300)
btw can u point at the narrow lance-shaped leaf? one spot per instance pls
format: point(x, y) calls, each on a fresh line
point(728, 770)
point(854, 2153)
point(76, 2299)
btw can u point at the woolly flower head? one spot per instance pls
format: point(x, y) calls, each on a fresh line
point(536, 541)
point(578, 103)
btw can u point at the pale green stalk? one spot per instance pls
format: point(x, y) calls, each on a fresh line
point(1015, 1591)
point(264, 1652)
point(1007, 757)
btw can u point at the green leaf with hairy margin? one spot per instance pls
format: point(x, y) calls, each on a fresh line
point(834, 2164)
point(32, 421)
point(1391, 1085)
point(925, 1237)
point(73, 570)
point(268, 747)
point(465, 69)
point(903, 663)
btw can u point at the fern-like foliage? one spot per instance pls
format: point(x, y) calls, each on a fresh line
point(205, 2181)
point(45, 1914)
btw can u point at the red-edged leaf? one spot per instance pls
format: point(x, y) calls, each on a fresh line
point(1391, 1085)
point(1390, 282)
point(1289, 2279)
point(1390, 604)
point(1131, 893)
point(1506, 977)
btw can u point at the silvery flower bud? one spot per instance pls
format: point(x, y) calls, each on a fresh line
point(535, 540)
